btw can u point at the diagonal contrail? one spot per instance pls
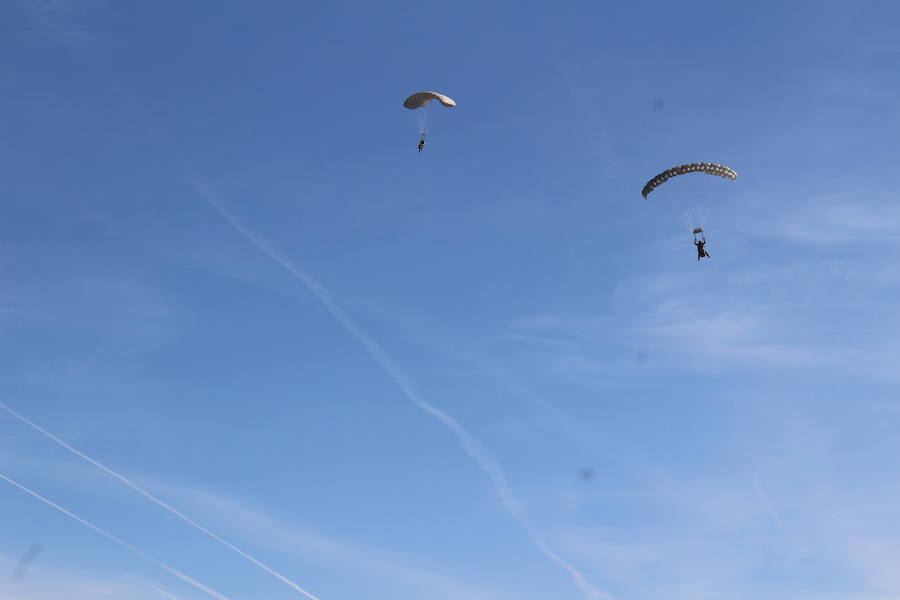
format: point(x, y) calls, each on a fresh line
point(126, 545)
point(164, 593)
point(764, 500)
point(474, 448)
point(160, 503)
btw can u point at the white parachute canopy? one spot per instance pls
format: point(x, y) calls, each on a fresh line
point(420, 99)
point(420, 103)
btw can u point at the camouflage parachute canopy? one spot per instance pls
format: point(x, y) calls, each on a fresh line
point(708, 168)
point(420, 99)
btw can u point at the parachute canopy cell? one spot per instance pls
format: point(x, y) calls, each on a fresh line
point(708, 168)
point(420, 99)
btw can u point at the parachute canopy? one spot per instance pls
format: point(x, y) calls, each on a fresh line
point(420, 99)
point(708, 168)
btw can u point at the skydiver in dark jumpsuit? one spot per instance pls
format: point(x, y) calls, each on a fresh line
point(422, 142)
point(701, 248)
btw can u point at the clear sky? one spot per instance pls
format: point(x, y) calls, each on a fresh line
point(490, 370)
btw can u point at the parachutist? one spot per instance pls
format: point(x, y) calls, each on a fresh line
point(701, 247)
point(698, 215)
point(420, 100)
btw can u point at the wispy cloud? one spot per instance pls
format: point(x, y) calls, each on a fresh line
point(823, 526)
point(277, 533)
point(78, 586)
point(170, 509)
point(53, 582)
point(164, 593)
point(764, 500)
point(63, 22)
point(692, 538)
point(120, 313)
point(472, 446)
point(788, 314)
point(468, 358)
point(854, 526)
point(840, 218)
point(134, 550)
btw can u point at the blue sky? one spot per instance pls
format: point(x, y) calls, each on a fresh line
point(231, 281)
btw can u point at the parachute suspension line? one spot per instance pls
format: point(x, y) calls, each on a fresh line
point(422, 118)
point(680, 209)
point(421, 102)
point(688, 205)
point(702, 200)
point(683, 205)
point(691, 202)
point(688, 216)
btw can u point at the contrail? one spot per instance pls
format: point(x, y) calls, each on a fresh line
point(164, 593)
point(764, 500)
point(798, 546)
point(159, 502)
point(474, 448)
point(125, 545)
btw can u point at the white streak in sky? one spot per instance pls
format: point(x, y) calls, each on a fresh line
point(165, 593)
point(487, 463)
point(160, 503)
point(764, 500)
point(125, 545)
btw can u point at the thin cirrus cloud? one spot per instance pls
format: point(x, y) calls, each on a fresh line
point(170, 509)
point(116, 312)
point(784, 314)
point(708, 554)
point(58, 583)
point(134, 550)
point(824, 524)
point(472, 446)
point(61, 22)
point(164, 593)
point(840, 218)
point(281, 534)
